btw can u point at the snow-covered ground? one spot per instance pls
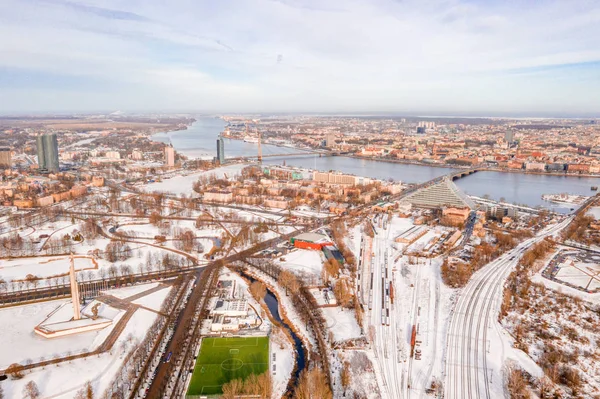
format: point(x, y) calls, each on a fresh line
point(556, 326)
point(594, 211)
point(63, 380)
point(20, 343)
point(126, 292)
point(183, 184)
point(303, 261)
point(43, 266)
point(154, 300)
point(342, 323)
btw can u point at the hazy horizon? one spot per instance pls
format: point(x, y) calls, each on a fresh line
point(381, 57)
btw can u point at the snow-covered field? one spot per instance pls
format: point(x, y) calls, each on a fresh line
point(126, 292)
point(559, 332)
point(20, 343)
point(183, 184)
point(154, 300)
point(594, 212)
point(63, 380)
point(577, 268)
point(303, 261)
point(43, 266)
point(342, 323)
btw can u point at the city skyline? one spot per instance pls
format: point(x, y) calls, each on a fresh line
point(412, 58)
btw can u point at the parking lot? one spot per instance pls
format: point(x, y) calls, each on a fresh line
point(575, 268)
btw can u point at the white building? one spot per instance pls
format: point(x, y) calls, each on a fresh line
point(169, 156)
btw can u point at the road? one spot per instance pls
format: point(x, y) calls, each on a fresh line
point(475, 345)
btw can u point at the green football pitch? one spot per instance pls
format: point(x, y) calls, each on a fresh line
point(223, 359)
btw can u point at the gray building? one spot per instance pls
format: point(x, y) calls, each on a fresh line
point(221, 150)
point(557, 167)
point(47, 150)
point(498, 212)
point(5, 157)
point(509, 136)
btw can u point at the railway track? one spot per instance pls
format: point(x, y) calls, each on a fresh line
point(468, 373)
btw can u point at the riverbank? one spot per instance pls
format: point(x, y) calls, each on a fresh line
point(281, 313)
point(478, 167)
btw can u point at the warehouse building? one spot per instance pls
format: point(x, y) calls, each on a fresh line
point(411, 235)
point(311, 241)
point(331, 252)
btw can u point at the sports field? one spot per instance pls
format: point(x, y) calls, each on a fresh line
point(223, 359)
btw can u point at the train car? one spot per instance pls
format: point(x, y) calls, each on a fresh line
point(413, 336)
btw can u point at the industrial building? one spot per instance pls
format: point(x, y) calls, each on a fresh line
point(331, 252)
point(442, 194)
point(411, 235)
point(311, 241)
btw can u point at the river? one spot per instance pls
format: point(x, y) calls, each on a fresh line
point(273, 306)
point(199, 141)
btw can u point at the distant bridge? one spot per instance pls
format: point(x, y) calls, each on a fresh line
point(291, 154)
point(463, 173)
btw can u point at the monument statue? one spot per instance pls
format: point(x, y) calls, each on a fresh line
point(74, 291)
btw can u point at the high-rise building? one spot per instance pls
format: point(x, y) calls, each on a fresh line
point(509, 136)
point(426, 124)
point(221, 150)
point(5, 158)
point(137, 155)
point(113, 154)
point(170, 156)
point(47, 149)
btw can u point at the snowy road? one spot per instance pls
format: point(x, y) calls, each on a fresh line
point(476, 342)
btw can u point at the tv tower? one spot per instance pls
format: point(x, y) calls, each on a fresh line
point(259, 147)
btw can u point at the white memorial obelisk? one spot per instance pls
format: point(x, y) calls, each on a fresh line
point(74, 291)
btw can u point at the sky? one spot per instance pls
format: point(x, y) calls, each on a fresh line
point(413, 57)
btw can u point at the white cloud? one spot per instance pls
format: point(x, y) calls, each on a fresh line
point(339, 55)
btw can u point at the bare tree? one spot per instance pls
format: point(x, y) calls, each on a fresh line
point(15, 370)
point(516, 383)
point(31, 391)
point(258, 290)
point(345, 376)
point(313, 384)
point(289, 281)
